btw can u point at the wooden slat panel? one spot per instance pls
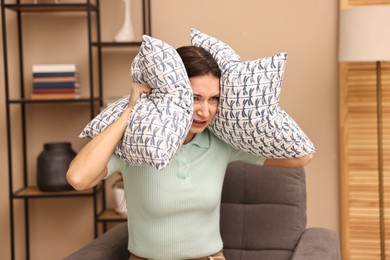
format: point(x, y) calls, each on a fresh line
point(358, 148)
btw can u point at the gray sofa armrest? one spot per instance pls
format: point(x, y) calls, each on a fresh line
point(111, 245)
point(318, 244)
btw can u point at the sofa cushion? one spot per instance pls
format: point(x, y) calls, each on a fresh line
point(255, 217)
point(249, 116)
point(160, 122)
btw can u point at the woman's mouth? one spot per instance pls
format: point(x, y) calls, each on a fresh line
point(198, 123)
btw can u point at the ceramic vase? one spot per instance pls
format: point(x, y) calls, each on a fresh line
point(53, 163)
point(126, 32)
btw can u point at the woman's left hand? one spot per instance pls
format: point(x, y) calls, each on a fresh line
point(289, 162)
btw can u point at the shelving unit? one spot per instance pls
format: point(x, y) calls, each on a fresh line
point(92, 102)
point(28, 191)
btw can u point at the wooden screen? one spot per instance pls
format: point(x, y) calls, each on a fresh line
point(358, 159)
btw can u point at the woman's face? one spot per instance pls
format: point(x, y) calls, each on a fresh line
point(205, 89)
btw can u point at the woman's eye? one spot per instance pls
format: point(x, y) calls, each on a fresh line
point(215, 99)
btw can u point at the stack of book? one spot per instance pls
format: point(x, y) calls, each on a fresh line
point(55, 81)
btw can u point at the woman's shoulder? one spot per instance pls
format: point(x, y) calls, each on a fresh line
point(215, 140)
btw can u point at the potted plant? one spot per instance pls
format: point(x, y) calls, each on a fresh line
point(120, 198)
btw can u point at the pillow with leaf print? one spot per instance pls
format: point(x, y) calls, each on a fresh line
point(159, 122)
point(249, 116)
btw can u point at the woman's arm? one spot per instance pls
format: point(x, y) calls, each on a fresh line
point(289, 162)
point(89, 167)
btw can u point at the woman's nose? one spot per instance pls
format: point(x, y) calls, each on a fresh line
point(203, 110)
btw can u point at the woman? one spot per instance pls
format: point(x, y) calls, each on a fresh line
point(173, 213)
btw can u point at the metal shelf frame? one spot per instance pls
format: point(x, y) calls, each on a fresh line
point(27, 192)
point(91, 9)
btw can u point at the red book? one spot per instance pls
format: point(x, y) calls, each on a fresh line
point(54, 90)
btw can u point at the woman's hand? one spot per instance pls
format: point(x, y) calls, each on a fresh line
point(289, 162)
point(136, 90)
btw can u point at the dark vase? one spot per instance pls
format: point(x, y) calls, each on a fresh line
point(53, 163)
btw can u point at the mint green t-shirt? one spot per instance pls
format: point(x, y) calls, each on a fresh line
point(173, 214)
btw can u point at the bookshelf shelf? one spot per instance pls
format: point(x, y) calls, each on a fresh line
point(110, 215)
point(62, 7)
point(34, 192)
point(117, 44)
point(40, 101)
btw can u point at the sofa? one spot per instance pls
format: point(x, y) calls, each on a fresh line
point(263, 216)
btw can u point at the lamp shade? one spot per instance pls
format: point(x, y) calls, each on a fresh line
point(365, 34)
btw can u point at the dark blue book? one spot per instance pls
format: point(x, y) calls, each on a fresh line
point(54, 74)
point(55, 84)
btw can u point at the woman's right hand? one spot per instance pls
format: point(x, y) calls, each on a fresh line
point(136, 90)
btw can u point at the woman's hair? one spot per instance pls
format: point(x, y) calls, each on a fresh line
point(198, 61)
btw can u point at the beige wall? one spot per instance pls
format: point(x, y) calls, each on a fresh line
point(306, 29)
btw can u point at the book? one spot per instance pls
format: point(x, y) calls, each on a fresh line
point(54, 90)
point(55, 79)
point(45, 68)
point(55, 84)
point(55, 96)
point(54, 74)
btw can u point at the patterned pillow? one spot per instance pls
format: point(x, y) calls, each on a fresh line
point(249, 116)
point(159, 123)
